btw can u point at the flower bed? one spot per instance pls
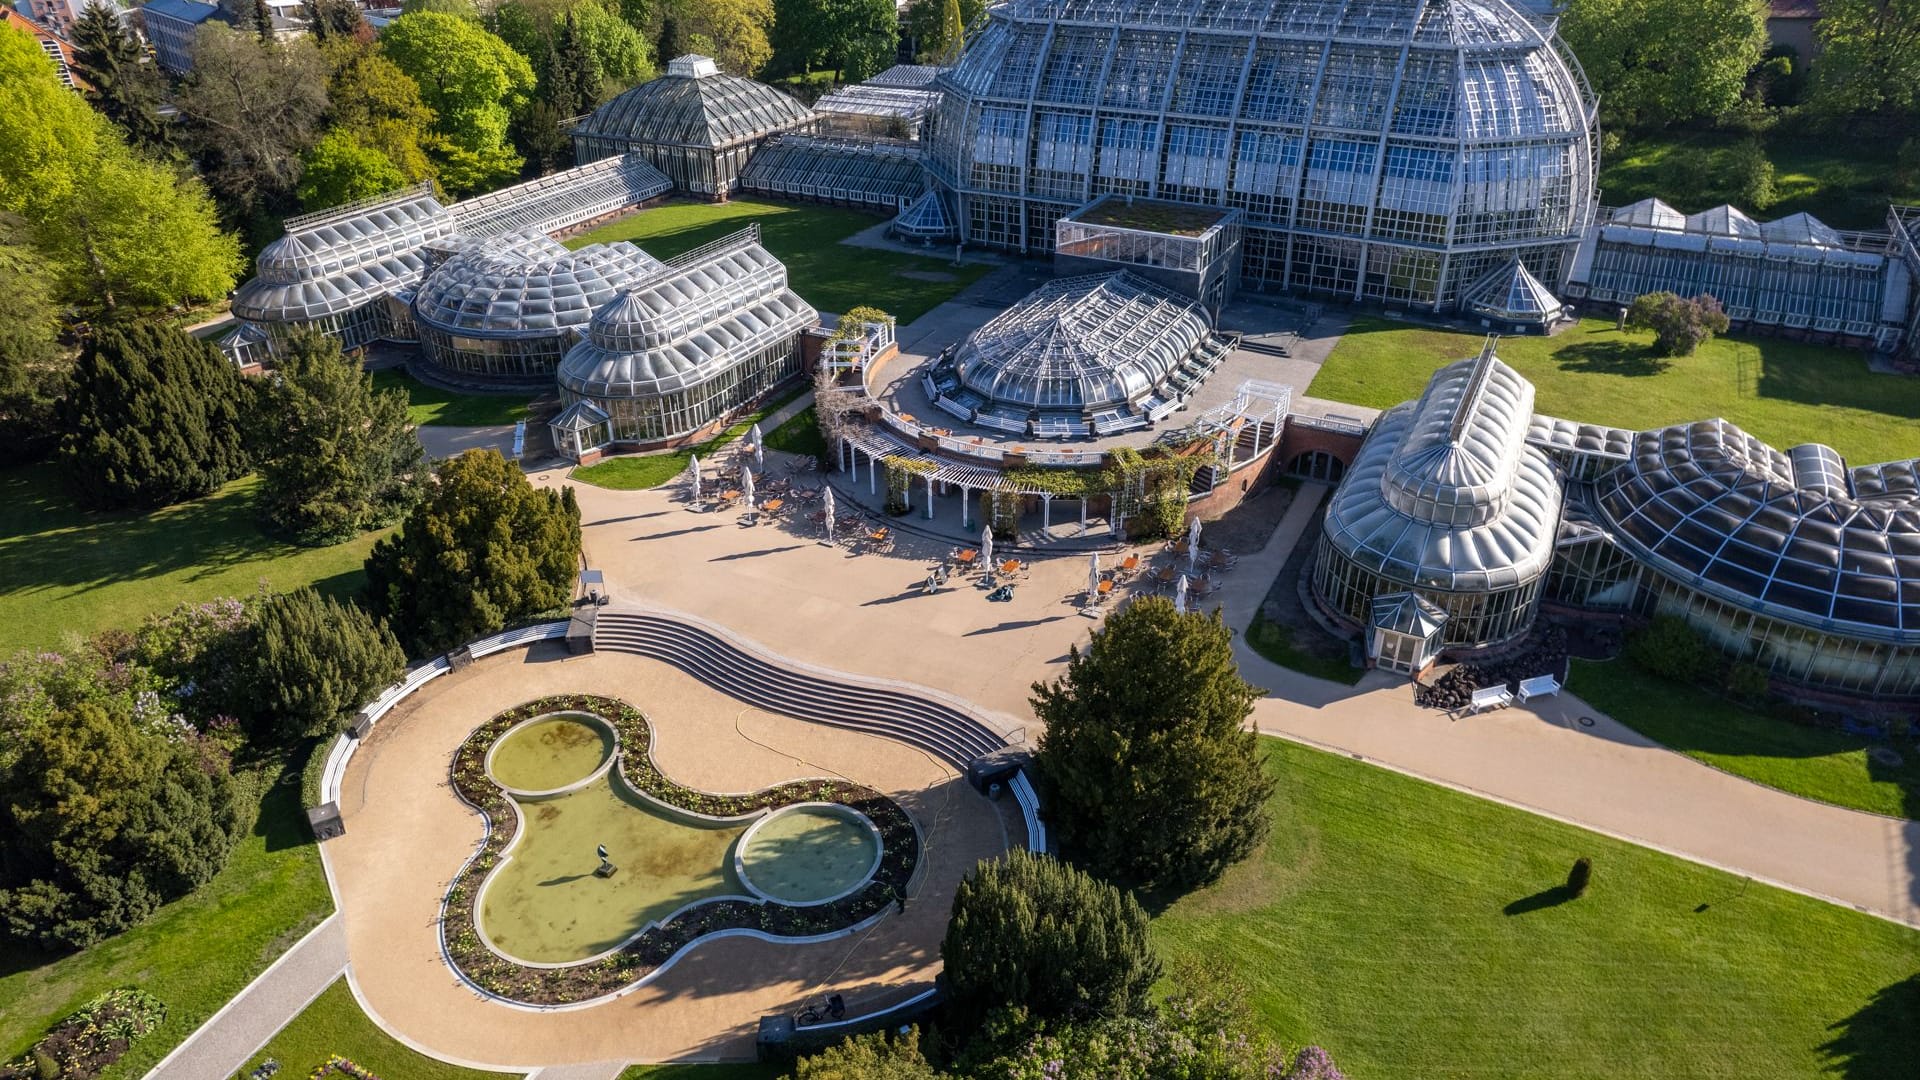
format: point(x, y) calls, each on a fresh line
point(339, 1066)
point(96, 1036)
point(900, 852)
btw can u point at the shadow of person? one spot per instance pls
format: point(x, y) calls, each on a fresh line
point(1545, 898)
point(1877, 1042)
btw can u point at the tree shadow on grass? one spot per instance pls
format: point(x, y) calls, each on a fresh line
point(1611, 358)
point(1879, 1041)
point(1539, 901)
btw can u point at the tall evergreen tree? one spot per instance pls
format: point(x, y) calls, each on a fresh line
point(485, 549)
point(579, 70)
point(126, 89)
point(153, 418)
point(668, 46)
point(1149, 774)
point(335, 457)
point(311, 661)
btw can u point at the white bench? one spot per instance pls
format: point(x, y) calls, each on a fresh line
point(1489, 697)
point(1538, 686)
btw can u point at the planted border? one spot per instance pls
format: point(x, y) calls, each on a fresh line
point(659, 942)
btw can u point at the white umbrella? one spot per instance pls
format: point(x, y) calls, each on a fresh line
point(1180, 595)
point(1093, 578)
point(746, 486)
point(759, 452)
point(829, 513)
point(693, 478)
point(986, 547)
point(1193, 548)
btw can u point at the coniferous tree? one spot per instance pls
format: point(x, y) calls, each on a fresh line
point(126, 89)
point(1032, 933)
point(153, 418)
point(311, 661)
point(579, 70)
point(1149, 775)
point(668, 46)
point(484, 550)
point(335, 457)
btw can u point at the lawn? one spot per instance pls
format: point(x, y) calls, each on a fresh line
point(335, 1024)
point(831, 276)
point(1846, 183)
point(432, 405)
point(1418, 934)
point(1278, 644)
point(196, 953)
point(1818, 763)
point(64, 569)
point(651, 470)
point(1785, 392)
point(799, 435)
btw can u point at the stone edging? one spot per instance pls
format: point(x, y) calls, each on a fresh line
point(659, 944)
point(564, 789)
point(879, 853)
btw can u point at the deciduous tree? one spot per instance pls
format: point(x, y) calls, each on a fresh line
point(32, 371)
point(733, 32)
point(875, 1056)
point(153, 418)
point(1033, 933)
point(484, 550)
point(1659, 62)
point(341, 169)
point(1680, 325)
point(335, 457)
point(1150, 777)
point(473, 82)
point(1870, 63)
point(252, 107)
point(936, 26)
point(370, 98)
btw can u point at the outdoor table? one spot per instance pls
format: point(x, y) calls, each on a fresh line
point(878, 534)
point(1010, 566)
point(1130, 563)
point(1106, 586)
point(1165, 575)
point(729, 496)
point(966, 558)
point(772, 506)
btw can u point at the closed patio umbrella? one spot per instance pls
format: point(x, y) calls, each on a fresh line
point(1180, 595)
point(746, 486)
point(1193, 548)
point(829, 517)
point(759, 451)
point(1093, 578)
point(986, 547)
point(693, 478)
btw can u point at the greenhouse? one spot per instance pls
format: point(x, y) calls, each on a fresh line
point(508, 306)
point(894, 104)
point(1445, 500)
point(1079, 356)
point(1794, 274)
point(1512, 301)
point(847, 172)
point(563, 199)
point(696, 124)
point(1395, 151)
point(1783, 560)
point(686, 347)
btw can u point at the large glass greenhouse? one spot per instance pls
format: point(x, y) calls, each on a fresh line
point(696, 124)
point(1445, 500)
point(508, 306)
point(687, 346)
point(1394, 150)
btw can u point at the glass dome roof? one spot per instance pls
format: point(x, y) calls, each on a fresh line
point(526, 285)
point(695, 104)
point(333, 262)
point(1717, 509)
point(1445, 493)
point(685, 324)
point(1091, 343)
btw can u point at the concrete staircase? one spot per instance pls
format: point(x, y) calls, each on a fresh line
point(940, 729)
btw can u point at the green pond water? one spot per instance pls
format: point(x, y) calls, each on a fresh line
point(809, 854)
point(551, 753)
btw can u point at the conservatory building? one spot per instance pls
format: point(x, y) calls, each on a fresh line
point(683, 347)
point(1395, 151)
point(696, 124)
point(1445, 501)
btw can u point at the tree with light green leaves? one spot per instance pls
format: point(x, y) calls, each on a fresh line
point(117, 230)
point(1870, 58)
point(474, 83)
point(342, 169)
point(1661, 62)
point(937, 26)
point(372, 100)
point(33, 371)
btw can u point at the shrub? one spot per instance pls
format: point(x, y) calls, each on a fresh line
point(1032, 932)
point(1149, 777)
point(869, 1057)
point(484, 550)
point(152, 418)
point(1580, 876)
point(1747, 682)
point(1680, 326)
point(311, 661)
point(1671, 648)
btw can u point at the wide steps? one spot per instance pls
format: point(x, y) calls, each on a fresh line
point(933, 726)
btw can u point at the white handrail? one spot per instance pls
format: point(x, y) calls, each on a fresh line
point(1029, 801)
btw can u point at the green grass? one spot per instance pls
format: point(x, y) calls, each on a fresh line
point(831, 276)
point(1845, 182)
point(1785, 392)
point(1276, 643)
point(1818, 763)
point(1413, 931)
point(651, 470)
point(432, 405)
point(749, 1070)
point(335, 1024)
point(196, 953)
point(64, 569)
point(799, 435)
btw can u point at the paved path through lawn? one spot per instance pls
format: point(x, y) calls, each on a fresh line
point(223, 1044)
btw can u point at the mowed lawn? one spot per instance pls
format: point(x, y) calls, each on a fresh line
point(65, 569)
point(829, 275)
point(335, 1024)
point(1785, 392)
point(640, 471)
point(1818, 763)
point(432, 405)
point(1845, 182)
point(1415, 932)
point(196, 953)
